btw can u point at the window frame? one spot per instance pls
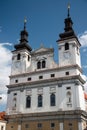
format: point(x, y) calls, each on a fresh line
point(18, 56)
point(43, 64)
point(28, 101)
point(52, 99)
point(66, 46)
point(52, 125)
point(39, 125)
point(39, 65)
point(40, 100)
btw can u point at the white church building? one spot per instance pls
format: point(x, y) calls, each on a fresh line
point(43, 94)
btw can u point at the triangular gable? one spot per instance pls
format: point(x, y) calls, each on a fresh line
point(43, 49)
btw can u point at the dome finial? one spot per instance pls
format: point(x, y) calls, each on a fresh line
point(25, 21)
point(68, 10)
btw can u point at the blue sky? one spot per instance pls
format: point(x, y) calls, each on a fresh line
point(45, 21)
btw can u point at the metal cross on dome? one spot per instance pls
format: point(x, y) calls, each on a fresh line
point(25, 21)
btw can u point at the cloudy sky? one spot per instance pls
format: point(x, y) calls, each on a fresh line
point(45, 21)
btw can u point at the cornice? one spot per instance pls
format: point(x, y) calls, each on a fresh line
point(51, 80)
point(59, 115)
point(58, 68)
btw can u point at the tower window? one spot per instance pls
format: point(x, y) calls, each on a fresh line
point(28, 102)
point(40, 98)
point(18, 56)
point(15, 94)
point(66, 46)
point(52, 99)
point(28, 57)
point(16, 81)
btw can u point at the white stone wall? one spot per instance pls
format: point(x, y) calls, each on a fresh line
point(80, 126)
point(74, 55)
point(69, 96)
point(76, 102)
point(20, 66)
point(2, 124)
point(46, 75)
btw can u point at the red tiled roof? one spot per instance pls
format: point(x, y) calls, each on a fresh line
point(2, 114)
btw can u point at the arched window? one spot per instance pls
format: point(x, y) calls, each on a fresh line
point(18, 56)
point(66, 46)
point(43, 64)
point(28, 102)
point(40, 98)
point(68, 97)
point(52, 99)
point(38, 65)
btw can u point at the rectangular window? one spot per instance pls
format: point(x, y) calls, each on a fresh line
point(67, 73)
point(39, 125)
point(40, 77)
point(15, 94)
point(70, 124)
point(12, 127)
point(29, 79)
point(52, 75)
point(52, 125)
point(68, 88)
point(2, 127)
point(16, 81)
point(26, 125)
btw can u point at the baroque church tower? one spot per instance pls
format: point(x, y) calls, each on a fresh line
point(21, 55)
point(45, 95)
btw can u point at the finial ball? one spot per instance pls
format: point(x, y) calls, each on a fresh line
point(25, 20)
point(68, 5)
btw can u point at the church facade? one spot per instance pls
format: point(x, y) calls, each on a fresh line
point(43, 94)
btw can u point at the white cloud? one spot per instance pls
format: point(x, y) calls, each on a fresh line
point(84, 49)
point(7, 43)
point(84, 66)
point(5, 69)
point(4, 99)
point(83, 38)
